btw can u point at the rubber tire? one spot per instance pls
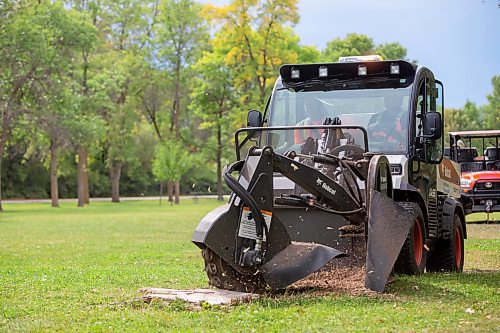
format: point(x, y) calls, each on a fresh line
point(221, 275)
point(448, 254)
point(413, 255)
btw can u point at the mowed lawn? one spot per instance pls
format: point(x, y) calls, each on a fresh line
point(72, 269)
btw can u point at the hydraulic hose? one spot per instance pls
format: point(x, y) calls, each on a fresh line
point(244, 195)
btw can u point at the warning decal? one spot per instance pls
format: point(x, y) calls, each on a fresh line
point(247, 226)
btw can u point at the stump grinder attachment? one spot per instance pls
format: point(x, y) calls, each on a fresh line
point(339, 210)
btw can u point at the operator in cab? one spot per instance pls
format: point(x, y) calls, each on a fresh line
point(315, 115)
point(389, 126)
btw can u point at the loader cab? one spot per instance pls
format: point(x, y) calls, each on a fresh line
point(399, 104)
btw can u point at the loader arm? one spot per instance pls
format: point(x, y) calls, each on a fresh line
point(316, 182)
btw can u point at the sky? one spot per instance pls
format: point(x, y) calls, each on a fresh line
point(459, 40)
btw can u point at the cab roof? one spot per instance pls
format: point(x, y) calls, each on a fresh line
point(476, 134)
point(381, 70)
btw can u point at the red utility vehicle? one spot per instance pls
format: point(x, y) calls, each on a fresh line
point(477, 152)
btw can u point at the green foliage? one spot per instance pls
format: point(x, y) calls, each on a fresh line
point(171, 161)
point(180, 37)
point(492, 118)
point(353, 44)
point(391, 51)
point(116, 77)
point(213, 96)
point(472, 117)
point(257, 38)
point(181, 33)
point(356, 44)
point(308, 54)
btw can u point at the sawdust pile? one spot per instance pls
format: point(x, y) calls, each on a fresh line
point(346, 280)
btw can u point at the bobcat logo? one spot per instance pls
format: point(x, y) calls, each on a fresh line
point(321, 183)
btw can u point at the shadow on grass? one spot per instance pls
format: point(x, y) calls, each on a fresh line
point(484, 222)
point(447, 286)
point(471, 285)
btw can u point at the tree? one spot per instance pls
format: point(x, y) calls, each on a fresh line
point(354, 44)
point(34, 40)
point(213, 100)
point(308, 54)
point(110, 91)
point(154, 96)
point(257, 37)
point(391, 51)
point(129, 25)
point(357, 44)
point(84, 129)
point(180, 37)
point(472, 117)
point(172, 161)
point(492, 118)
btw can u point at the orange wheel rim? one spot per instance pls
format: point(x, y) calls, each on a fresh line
point(418, 246)
point(458, 247)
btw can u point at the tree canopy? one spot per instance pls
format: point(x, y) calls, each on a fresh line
point(105, 98)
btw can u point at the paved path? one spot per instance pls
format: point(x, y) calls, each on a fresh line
point(20, 201)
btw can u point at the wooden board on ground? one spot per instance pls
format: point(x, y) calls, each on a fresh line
point(198, 296)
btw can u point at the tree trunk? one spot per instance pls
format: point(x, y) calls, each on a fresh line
point(3, 139)
point(170, 191)
point(1, 158)
point(8, 116)
point(177, 99)
point(219, 164)
point(161, 191)
point(82, 150)
point(86, 192)
point(54, 190)
point(81, 177)
point(115, 171)
point(177, 191)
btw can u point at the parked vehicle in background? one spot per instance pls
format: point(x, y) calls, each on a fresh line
point(477, 152)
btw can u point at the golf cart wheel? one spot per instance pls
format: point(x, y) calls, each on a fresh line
point(413, 255)
point(221, 275)
point(448, 255)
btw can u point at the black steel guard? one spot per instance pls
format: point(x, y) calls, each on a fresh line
point(252, 130)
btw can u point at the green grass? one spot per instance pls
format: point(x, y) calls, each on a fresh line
point(72, 269)
point(481, 217)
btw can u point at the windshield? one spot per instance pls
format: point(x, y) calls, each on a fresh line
point(383, 112)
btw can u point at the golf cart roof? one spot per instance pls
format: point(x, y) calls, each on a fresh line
point(476, 134)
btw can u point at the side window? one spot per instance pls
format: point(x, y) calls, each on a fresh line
point(420, 109)
point(434, 97)
point(439, 98)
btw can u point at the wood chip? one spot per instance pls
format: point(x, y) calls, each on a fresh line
point(349, 280)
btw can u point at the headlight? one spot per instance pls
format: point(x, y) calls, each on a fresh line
point(465, 183)
point(362, 70)
point(295, 74)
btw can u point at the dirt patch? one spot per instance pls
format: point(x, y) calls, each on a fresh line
point(346, 281)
